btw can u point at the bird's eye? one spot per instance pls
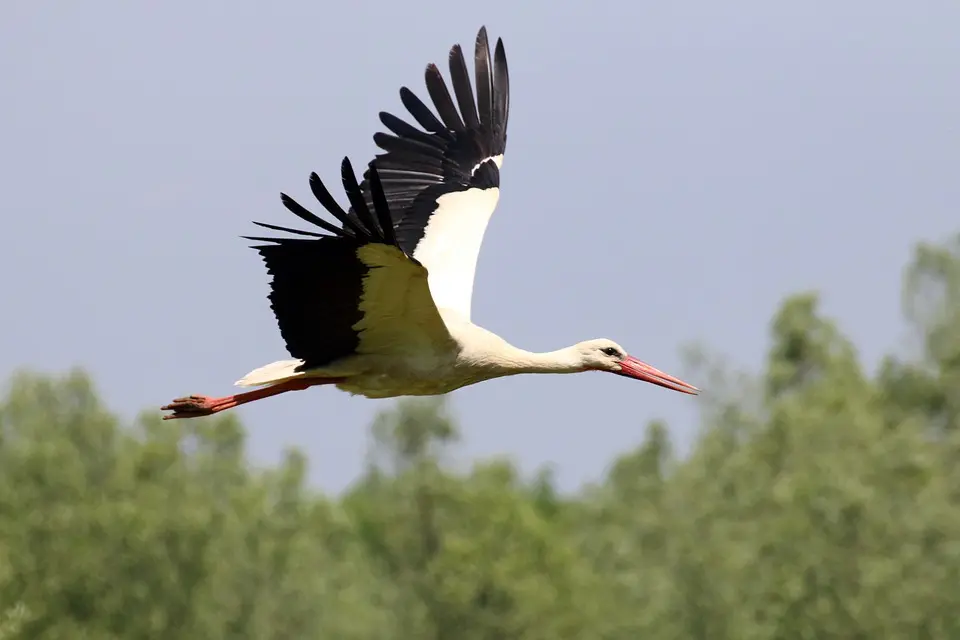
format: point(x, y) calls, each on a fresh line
point(610, 351)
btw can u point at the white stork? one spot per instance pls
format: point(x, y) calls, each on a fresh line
point(380, 306)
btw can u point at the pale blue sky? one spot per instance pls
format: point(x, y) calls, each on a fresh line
point(672, 171)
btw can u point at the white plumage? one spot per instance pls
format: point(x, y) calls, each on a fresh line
point(380, 305)
point(451, 244)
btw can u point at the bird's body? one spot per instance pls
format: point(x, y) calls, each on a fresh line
point(380, 306)
point(473, 354)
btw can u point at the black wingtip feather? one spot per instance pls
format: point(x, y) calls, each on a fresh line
point(481, 59)
point(407, 130)
point(421, 112)
point(501, 88)
point(360, 224)
point(482, 35)
point(301, 212)
point(403, 144)
point(460, 78)
point(322, 194)
point(355, 195)
point(299, 232)
point(380, 205)
point(442, 100)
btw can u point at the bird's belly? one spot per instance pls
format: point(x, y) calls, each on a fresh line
point(386, 385)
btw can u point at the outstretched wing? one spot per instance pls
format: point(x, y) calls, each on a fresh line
point(443, 183)
point(353, 289)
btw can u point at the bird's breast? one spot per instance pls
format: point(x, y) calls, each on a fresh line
point(415, 376)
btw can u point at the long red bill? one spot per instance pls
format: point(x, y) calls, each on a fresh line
point(633, 368)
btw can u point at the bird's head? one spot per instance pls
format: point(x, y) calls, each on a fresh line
point(607, 355)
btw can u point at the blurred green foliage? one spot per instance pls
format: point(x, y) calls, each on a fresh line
point(820, 501)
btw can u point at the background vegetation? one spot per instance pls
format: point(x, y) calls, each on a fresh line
point(820, 501)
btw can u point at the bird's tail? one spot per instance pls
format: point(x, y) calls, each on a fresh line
point(271, 373)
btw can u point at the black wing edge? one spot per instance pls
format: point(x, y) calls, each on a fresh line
point(413, 158)
point(317, 282)
point(359, 224)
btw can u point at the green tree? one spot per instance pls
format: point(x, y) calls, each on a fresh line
point(926, 383)
point(162, 530)
point(804, 513)
point(474, 555)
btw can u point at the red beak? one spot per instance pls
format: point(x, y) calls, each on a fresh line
point(633, 368)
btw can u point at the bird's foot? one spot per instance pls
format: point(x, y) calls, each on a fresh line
point(195, 407)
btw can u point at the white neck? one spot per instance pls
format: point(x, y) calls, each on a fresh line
point(514, 361)
point(492, 356)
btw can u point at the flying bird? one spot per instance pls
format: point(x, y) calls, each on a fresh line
point(379, 305)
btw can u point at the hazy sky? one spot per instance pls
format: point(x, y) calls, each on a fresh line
point(672, 171)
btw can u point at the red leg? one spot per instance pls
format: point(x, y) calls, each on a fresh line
point(197, 406)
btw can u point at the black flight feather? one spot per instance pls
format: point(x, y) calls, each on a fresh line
point(299, 232)
point(440, 95)
point(481, 59)
point(317, 282)
point(381, 206)
point(460, 79)
point(422, 113)
point(359, 207)
point(406, 145)
point(406, 130)
point(448, 153)
point(306, 215)
point(321, 193)
point(501, 88)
